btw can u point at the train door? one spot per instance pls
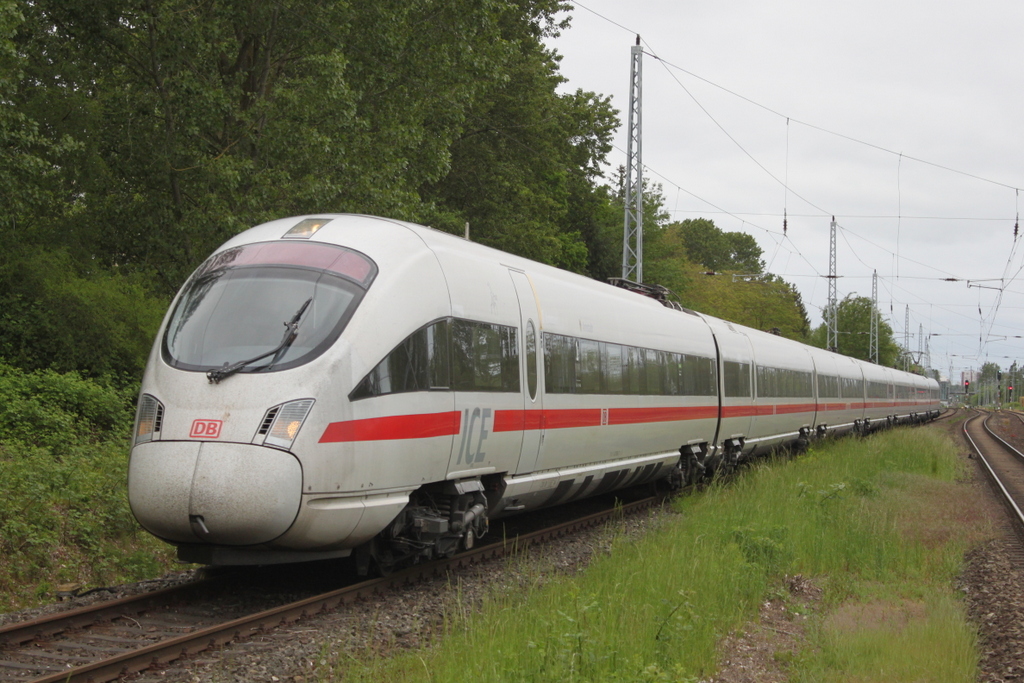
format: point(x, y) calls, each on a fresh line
point(532, 371)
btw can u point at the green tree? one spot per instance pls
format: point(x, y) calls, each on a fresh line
point(202, 119)
point(523, 170)
point(854, 327)
point(31, 180)
point(654, 219)
point(141, 134)
point(54, 314)
point(716, 250)
point(766, 302)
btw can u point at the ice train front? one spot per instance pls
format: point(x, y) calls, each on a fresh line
point(237, 370)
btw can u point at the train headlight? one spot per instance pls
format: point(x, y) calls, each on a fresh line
point(149, 419)
point(282, 423)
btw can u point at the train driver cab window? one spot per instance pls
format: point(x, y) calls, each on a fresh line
point(265, 307)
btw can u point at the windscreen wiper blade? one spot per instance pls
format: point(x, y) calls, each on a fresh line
point(291, 332)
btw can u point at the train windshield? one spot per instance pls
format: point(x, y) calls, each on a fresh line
point(277, 304)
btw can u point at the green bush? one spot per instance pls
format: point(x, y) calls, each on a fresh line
point(54, 314)
point(59, 411)
point(64, 515)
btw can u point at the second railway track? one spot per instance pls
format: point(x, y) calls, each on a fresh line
point(1003, 464)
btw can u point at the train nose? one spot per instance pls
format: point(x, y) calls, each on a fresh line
point(223, 493)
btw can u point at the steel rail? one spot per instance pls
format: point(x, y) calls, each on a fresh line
point(171, 649)
point(53, 624)
point(1007, 498)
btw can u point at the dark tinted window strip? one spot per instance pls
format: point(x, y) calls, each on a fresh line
point(586, 366)
point(448, 355)
point(783, 383)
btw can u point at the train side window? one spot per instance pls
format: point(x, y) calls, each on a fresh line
point(783, 383)
point(419, 363)
point(852, 388)
point(805, 384)
point(736, 379)
point(611, 368)
point(559, 364)
point(634, 374)
point(700, 376)
point(485, 357)
point(765, 381)
point(588, 367)
point(878, 390)
point(651, 368)
point(531, 359)
point(828, 386)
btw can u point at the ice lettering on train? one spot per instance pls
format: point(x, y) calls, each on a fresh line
point(469, 423)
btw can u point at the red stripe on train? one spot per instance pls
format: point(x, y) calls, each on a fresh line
point(525, 420)
point(449, 423)
point(619, 416)
point(394, 427)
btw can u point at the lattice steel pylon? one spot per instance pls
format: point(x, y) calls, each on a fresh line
point(832, 308)
point(921, 344)
point(632, 228)
point(906, 341)
point(874, 318)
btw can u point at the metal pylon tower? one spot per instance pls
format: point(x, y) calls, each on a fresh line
point(874, 318)
point(832, 310)
point(632, 228)
point(921, 344)
point(906, 341)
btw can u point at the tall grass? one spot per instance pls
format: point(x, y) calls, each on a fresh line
point(847, 513)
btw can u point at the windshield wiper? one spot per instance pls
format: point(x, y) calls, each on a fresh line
point(292, 331)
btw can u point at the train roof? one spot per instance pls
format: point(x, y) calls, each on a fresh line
point(367, 233)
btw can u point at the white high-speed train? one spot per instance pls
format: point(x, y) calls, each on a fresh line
point(339, 383)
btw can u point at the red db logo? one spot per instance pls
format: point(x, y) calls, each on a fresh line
point(205, 429)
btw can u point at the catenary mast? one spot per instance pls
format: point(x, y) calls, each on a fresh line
point(632, 229)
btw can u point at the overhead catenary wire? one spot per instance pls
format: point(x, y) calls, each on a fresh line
point(898, 253)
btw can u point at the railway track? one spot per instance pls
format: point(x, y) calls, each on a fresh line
point(1004, 466)
point(108, 640)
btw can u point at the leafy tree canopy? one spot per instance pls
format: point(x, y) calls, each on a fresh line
point(765, 303)
point(706, 244)
point(139, 135)
point(854, 338)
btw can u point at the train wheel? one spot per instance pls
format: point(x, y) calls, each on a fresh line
point(373, 559)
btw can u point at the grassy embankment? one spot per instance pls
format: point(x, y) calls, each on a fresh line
point(880, 524)
point(64, 516)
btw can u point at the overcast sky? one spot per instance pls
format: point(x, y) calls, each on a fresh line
point(881, 98)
